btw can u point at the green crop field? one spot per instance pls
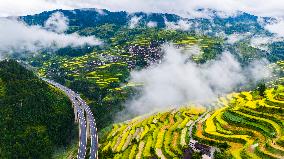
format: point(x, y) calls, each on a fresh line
point(246, 126)
point(163, 135)
point(251, 125)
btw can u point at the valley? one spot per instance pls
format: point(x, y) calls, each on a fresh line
point(97, 83)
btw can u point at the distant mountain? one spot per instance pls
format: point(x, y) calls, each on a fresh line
point(238, 31)
point(92, 17)
point(83, 18)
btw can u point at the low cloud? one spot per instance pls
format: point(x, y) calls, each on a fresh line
point(273, 26)
point(16, 36)
point(180, 25)
point(235, 37)
point(178, 80)
point(134, 21)
point(57, 22)
point(261, 42)
point(258, 71)
point(276, 27)
point(152, 24)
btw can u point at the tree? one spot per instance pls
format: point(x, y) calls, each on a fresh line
point(261, 87)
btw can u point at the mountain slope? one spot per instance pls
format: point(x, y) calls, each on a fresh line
point(243, 28)
point(247, 125)
point(84, 18)
point(162, 134)
point(35, 117)
point(98, 72)
point(250, 124)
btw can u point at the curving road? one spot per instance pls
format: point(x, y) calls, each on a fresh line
point(87, 125)
point(92, 128)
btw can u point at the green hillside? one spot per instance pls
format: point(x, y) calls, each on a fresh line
point(251, 124)
point(35, 117)
point(38, 118)
point(159, 135)
point(102, 75)
point(247, 125)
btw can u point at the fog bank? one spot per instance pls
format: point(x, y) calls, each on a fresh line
point(178, 81)
point(16, 36)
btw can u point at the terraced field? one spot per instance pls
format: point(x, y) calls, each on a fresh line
point(245, 125)
point(162, 135)
point(248, 126)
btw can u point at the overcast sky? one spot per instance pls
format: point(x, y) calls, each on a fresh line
point(273, 8)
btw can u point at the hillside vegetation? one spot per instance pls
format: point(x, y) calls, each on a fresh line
point(251, 124)
point(102, 75)
point(159, 135)
point(35, 117)
point(240, 125)
point(247, 125)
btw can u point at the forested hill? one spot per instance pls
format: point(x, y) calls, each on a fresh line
point(35, 117)
point(85, 18)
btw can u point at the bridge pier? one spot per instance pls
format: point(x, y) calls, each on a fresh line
point(76, 114)
point(88, 125)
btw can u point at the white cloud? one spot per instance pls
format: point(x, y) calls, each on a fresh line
point(258, 71)
point(276, 27)
point(57, 22)
point(235, 37)
point(134, 21)
point(177, 81)
point(100, 11)
point(260, 42)
point(180, 7)
point(16, 36)
point(180, 25)
point(152, 24)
